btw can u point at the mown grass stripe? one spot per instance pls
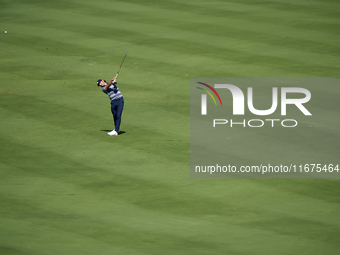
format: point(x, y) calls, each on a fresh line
point(177, 46)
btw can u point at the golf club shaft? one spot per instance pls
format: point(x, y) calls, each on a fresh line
point(121, 64)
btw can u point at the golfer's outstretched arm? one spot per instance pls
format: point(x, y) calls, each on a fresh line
point(110, 82)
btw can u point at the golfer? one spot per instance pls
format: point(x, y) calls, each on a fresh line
point(117, 102)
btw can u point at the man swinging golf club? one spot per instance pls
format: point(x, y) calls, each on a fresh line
point(117, 101)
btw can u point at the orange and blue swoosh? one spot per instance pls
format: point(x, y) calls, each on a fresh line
point(213, 90)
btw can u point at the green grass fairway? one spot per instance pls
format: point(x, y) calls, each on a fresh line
point(68, 188)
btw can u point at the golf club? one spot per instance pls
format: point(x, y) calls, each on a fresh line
point(121, 64)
